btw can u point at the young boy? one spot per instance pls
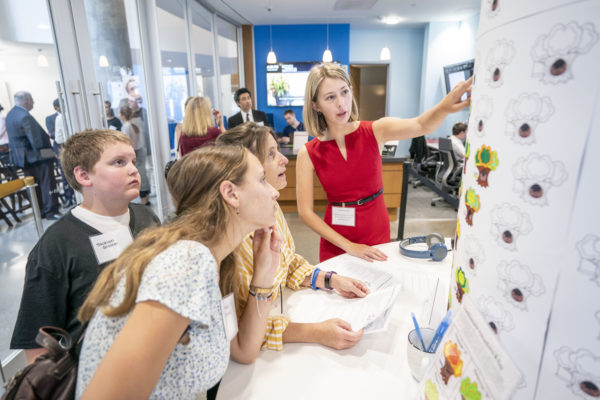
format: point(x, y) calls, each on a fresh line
point(65, 263)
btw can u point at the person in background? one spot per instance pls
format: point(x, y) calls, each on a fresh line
point(293, 271)
point(179, 126)
point(64, 264)
point(132, 128)
point(198, 125)
point(346, 156)
point(293, 126)
point(113, 122)
point(243, 99)
point(459, 134)
point(30, 149)
point(60, 137)
point(3, 133)
point(50, 119)
point(155, 315)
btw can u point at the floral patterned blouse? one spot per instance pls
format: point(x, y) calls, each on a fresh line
point(184, 278)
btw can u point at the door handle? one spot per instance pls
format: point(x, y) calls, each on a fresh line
point(100, 93)
point(79, 92)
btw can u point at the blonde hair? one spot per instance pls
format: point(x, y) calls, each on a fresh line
point(251, 136)
point(198, 117)
point(85, 148)
point(314, 121)
point(202, 216)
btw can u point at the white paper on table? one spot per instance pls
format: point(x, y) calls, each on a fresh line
point(359, 313)
point(300, 139)
point(374, 278)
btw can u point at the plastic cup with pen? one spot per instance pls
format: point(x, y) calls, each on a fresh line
point(422, 344)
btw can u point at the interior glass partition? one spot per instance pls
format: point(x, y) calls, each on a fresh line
point(203, 53)
point(171, 24)
point(229, 71)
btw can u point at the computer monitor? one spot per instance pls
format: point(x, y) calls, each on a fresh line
point(456, 73)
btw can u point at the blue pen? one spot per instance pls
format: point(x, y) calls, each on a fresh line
point(439, 333)
point(418, 330)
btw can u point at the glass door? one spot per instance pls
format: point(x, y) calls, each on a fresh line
point(107, 74)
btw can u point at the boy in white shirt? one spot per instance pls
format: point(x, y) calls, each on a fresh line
point(64, 264)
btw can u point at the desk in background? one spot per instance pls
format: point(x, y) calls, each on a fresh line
point(376, 368)
point(394, 180)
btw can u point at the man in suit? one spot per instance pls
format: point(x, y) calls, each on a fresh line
point(243, 98)
point(31, 150)
point(50, 119)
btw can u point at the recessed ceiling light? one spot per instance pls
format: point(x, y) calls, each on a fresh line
point(45, 27)
point(391, 19)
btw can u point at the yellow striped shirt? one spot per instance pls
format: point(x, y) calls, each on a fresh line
point(292, 271)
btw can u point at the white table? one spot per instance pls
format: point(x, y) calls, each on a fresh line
point(375, 368)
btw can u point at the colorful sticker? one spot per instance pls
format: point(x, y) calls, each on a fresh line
point(452, 362)
point(486, 160)
point(472, 203)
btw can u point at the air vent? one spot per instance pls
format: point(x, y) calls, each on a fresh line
point(341, 5)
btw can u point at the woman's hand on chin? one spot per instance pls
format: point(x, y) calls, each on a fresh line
point(266, 245)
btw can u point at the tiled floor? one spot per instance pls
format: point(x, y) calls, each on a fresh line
point(16, 243)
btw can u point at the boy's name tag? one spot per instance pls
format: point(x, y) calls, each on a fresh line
point(109, 246)
point(229, 316)
point(343, 216)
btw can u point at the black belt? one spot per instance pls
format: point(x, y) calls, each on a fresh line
point(359, 202)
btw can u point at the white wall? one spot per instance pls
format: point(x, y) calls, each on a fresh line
point(22, 73)
point(404, 73)
point(445, 43)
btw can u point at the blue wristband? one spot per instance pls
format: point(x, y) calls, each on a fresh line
point(313, 282)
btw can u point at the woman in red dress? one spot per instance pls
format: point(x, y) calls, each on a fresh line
point(198, 126)
point(346, 156)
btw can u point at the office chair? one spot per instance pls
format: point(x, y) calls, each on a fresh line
point(424, 162)
point(448, 176)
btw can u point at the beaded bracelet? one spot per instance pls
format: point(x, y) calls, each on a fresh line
point(313, 281)
point(260, 296)
point(261, 290)
point(328, 276)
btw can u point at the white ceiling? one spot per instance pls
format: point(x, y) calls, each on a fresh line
point(414, 12)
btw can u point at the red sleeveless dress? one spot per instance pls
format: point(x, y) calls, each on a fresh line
point(358, 177)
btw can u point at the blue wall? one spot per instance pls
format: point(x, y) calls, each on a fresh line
point(445, 43)
point(404, 71)
point(295, 43)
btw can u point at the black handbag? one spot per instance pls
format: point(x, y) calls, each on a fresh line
point(52, 375)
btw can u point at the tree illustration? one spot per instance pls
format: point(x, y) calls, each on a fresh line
point(462, 284)
point(467, 153)
point(472, 203)
point(486, 160)
point(469, 390)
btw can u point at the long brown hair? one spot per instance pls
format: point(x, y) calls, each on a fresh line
point(250, 135)
point(202, 216)
point(198, 117)
point(314, 121)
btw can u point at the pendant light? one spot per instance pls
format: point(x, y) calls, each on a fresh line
point(327, 56)
point(271, 57)
point(42, 61)
point(385, 54)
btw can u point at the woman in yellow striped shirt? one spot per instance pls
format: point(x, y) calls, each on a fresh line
point(294, 271)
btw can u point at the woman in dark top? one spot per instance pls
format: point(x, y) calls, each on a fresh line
point(198, 125)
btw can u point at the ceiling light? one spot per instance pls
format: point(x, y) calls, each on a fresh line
point(327, 56)
point(103, 62)
point(44, 27)
point(42, 61)
point(271, 57)
point(385, 54)
point(391, 19)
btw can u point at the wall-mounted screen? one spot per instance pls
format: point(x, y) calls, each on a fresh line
point(457, 73)
point(286, 82)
